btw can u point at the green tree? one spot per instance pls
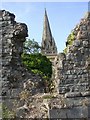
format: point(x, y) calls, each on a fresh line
point(34, 60)
point(31, 46)
point(38, 64)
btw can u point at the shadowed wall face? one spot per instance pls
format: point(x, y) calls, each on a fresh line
point(15, 79)
point(13, 74)
point(12, 37)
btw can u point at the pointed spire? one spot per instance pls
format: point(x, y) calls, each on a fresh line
point(48, 43)
point(46, 27)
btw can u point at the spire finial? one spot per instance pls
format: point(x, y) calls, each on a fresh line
point(45, 11)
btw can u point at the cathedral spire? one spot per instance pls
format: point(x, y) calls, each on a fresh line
point(48, 43)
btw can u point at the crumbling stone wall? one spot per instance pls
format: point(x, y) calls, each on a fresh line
point(73, 74)
point(15, 78)
point(11, 50)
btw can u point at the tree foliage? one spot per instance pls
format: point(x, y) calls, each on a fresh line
point(38, 64)
point(31, 46)
point(35, 61)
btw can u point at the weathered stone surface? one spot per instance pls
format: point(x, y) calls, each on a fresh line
point(76, 63)
point(16, 80)
point(70, 113)
point(21, 111)
point(61, 107)
point(74, 77)
point(72, 94)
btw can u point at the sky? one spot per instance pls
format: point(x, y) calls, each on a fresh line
point(63, 17)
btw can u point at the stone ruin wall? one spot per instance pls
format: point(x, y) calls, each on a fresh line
point(75, 71)
point(73, 76)
point(14, 77)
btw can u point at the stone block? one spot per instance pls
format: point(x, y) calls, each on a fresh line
point(80, 112)
point(72, 94)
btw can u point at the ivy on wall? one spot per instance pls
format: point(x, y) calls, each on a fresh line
point(70, 40)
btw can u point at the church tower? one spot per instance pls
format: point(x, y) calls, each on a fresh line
point(48, 43)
